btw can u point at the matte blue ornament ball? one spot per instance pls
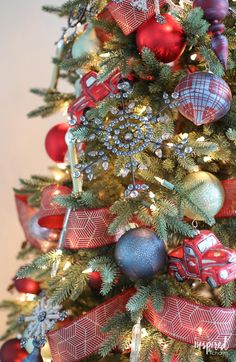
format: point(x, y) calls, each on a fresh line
point(203, 97)
point(140, 254)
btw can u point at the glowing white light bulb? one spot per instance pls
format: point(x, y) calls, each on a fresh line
point(67, 265)
point(87, 271)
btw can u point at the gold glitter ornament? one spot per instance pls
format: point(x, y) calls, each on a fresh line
point(209, 196)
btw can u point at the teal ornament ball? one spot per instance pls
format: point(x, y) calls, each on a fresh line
point(140, 254)
point(86, 43)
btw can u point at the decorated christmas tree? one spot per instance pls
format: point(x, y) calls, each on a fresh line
point(130, 249)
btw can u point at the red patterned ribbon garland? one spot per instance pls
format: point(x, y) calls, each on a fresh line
point(83, 337)
point(180, 319)
point(51, 215)
point(194, 323)
point(88, 229)
point(25, 214)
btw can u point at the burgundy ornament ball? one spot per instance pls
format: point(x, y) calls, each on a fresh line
point(214, 12)
point(140, 254)
point(203, 97)
point(95, 281)
point(27, 285)
point(55, 143)
point(166, 40)
point(213, 9)
point(12, 352)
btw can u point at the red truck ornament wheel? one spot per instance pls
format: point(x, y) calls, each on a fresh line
point(92, 92)
point(203, 257)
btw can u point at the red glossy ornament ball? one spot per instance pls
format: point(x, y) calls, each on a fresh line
point(12, 352)
point(55, 143)
point(95, 281)
point(166, 40)
point(27, 285)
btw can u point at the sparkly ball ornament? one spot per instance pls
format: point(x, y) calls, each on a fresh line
point(55, 143)
point(11, 351)
point(209, 196)
point(140, 254)
point(203, 97)
point(86, 43)
point(166, 40)
point(27, 285)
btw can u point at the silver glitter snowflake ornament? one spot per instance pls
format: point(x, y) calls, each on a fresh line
point(43, 319)
point(129, 130)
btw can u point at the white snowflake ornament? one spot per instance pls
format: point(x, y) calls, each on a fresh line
point(43, 319)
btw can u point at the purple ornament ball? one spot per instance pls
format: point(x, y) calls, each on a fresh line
point(140, 253)
point(203, 97)
point(213, 9)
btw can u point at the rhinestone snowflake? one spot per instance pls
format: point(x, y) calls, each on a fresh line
point(129, 130)
point(43, 319)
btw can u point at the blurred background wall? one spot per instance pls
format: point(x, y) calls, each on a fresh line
point(27, 46)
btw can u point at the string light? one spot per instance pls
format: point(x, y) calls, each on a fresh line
point(62, 165)
point(201, 139)
point(193, 56)
point(151, 195)
point(144, 333)
point(87, 271)
point(57, 192)
point(26, 297)
point(153, 207)
point(105, 55)
point(65, 108)
point(195, 168)
point(207, 159)
point(58, 177)
point(183, 136)
point(200, 330)
point(67, 265)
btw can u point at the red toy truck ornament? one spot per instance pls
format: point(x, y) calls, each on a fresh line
point(93, 92)
point(204, 258)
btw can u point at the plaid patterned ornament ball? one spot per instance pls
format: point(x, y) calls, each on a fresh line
point(203, 97)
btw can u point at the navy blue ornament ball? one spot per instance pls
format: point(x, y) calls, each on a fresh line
point(140, 254)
